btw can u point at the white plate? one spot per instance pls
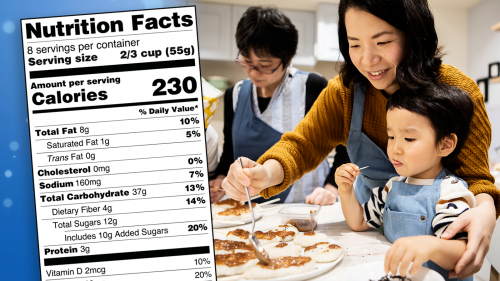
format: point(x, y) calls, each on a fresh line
point(320, 269)
point(375, 271)
point(230, 223)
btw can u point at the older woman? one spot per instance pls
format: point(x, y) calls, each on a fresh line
point(258, 110)
point(387, 45)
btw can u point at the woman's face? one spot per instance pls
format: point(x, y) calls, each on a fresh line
point(259, 79)
point(375, 47)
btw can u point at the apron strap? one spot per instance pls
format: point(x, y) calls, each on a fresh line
point(358, 106)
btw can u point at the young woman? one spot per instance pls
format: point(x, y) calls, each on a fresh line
point(387, 45)
point(258, 110)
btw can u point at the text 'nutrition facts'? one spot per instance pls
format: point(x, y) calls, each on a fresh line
point(118, 146)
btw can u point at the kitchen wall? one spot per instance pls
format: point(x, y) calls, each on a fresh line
point(451, 24)
point(483, 49)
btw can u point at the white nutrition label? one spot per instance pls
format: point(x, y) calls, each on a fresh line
point(118, 146)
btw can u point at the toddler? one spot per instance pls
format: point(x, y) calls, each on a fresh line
point(426, 131)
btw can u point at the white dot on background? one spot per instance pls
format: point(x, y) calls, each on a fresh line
point(7, 202)
point(14, 146)
point(8, 173)
point(8, 27)
point(26, 120)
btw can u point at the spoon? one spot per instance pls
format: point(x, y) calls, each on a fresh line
point(254, 242)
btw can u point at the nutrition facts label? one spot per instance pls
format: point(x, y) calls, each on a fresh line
point(118, 146)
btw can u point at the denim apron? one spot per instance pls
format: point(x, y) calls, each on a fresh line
point(409, 210)
point(405, 214)
point(252, 137)
point(364, 152)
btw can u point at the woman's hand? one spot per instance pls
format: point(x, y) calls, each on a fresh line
point(479, 222)
point(323, 196)
point(345, 176)
point(416, 249)
point(216, 191)
point(255, 176)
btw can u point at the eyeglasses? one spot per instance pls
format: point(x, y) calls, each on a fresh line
point(267, 70)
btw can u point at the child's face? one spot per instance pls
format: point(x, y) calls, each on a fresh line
point(412, 145)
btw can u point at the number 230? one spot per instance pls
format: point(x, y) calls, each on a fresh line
point(188, 84)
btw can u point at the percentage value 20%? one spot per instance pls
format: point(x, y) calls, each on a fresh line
point(202, 274)
point(197, 227)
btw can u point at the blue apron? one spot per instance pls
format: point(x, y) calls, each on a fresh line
point(414, 215)
point(252, 136)
point(364, 152)
point(409, 210)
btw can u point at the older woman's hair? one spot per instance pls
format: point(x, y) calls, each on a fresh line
point(268, 32)
point(422, 58)
point(448, 108)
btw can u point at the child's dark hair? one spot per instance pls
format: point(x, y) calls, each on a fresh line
point(268, 32)
point(449, 109)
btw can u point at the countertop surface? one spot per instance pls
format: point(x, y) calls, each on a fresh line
point(360, 247)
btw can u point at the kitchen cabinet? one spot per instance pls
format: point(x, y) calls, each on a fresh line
point(327, 33)
point(304, 23)
point(214, 22)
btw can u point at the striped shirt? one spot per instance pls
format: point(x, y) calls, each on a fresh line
point(454, 199)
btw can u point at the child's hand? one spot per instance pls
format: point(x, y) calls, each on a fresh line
point(345, 176)
point(416, 249)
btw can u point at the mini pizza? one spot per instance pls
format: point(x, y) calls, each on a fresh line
point(267, 237)
point(223, 205)
point(323, 252)
point(235, 213)
point(284, 266)
point(287, 232)
point(238, 235)
point(310, 238)
point(224, 247)
point(232, 264)
point(278, 250)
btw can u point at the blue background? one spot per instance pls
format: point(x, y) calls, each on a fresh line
point(18, 236)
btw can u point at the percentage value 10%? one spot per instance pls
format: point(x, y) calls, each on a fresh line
point(202, 261)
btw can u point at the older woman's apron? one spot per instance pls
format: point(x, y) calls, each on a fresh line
point(252, 136)
point(409, 209)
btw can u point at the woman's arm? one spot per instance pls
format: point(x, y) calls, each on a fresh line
point(302, 150)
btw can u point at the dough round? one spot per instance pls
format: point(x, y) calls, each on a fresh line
point(286, 232)
point(323, 252)
point(306, 239)
point(277, 250)
point(281, 267)
point(233, 264)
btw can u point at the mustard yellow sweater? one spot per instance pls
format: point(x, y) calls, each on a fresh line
point(327, 125)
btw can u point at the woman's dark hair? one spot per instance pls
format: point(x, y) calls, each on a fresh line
point(448, 108)
point(268, 32)
point(422, 58)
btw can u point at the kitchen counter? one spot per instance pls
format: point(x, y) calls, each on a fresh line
point(360, 247)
